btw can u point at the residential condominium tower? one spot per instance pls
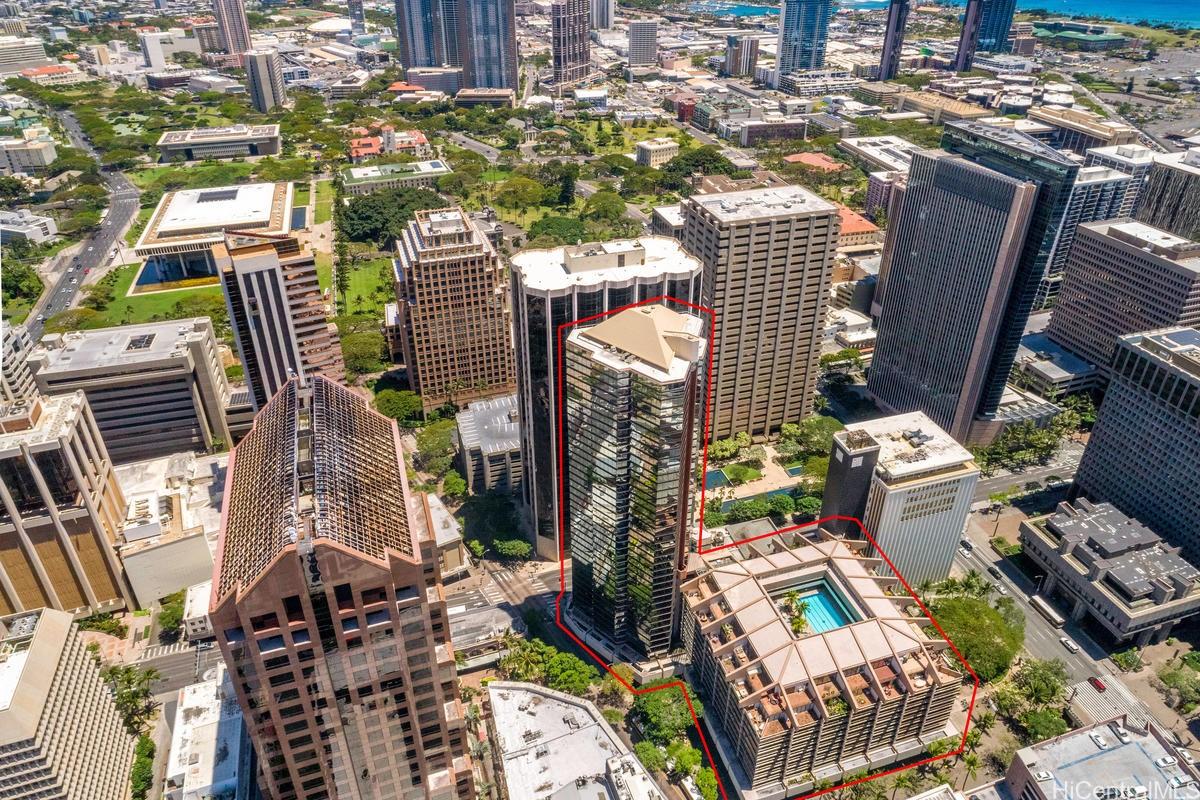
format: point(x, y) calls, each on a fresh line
point(955, 234)
point(910, 484)
point(968, 39)
point(551, 288)
point(803, 30)
point(768, 269)
point(488, 41)
point(264, 80)
point(995, 20)
point(277, 312)
point(604, 13)
point(893, 39)
point(235, 30)
point(1124, 277)
point(428, 33)
point(16, 381)
point(570, 47)
point(1134, 160)
point(1170, 199)
point(327, 605)
point(60, 510)
point(1144, 452)
point(455, 331)
point(643, 43)
point(60, 731)
point(631, 423)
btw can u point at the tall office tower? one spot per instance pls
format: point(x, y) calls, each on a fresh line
point(1098, 193)
point(1124, 277)
point(155, 389)
point(327, 604)
point(264, 79)
point(741, 55)
point(910, 484)
point(235, 30)
point(955, 233)
point(768, 269)
point(1027, 160)
point(570, 47)
point(893, 39)
point(358, 20)
point(60, 731)
point(803, 29)
point(16, 381)
point(489, 44)
point(553, 287)
point(1144, 452)
point(60, 508)
point(456, 334)
point(208, 36)
point(643, 43)
point(277, 312)
point(604, 13)
point(428, 32)
point(968, 40)
point(1134, 160)
point(631, 423)
point(995, 21)
point(1170, 199)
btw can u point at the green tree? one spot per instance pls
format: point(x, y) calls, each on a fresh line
point(684, 758)
point(663, 714)
point(650, 755)
point(520, 193)
point(435, 447)
point(1041, 724)
point(513, 549)
point(808, 505)
point(381, 217)
point(141, 777)
point(363, 352)
point(132, 694)
point(454, 485)
point(604, 206)
point(568, 673)
point(1043, 682)
point(987, 639)
point(170, 615)
point(401, 405)
point(557, 230)
point(706, 783)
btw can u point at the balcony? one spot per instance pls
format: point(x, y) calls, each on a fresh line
point(888, 680)
point(861, 691)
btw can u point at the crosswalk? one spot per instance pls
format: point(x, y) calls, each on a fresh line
point(159, 650)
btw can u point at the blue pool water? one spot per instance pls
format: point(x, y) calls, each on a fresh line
point(715, 479)
point(826, 610)
point(796, 470)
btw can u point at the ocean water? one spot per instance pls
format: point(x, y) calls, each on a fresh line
point(1184, 13)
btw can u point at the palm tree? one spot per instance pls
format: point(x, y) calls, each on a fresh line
point(973, 739)
point(971, 764)
point(984, 721)
point(906, 781)
point(473, 716)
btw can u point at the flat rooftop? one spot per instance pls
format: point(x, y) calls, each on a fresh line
point(114, 348)
point(38, 421)
point(1127, 153)
point(776, 201)
point(208, 736)
point(890, 153)
point(1162, 243)
point(1010, 137)
point(382, 172)
point(1043, 356)
point(490, 426)
point(192, 217)
point(604, 262)
point(911, 444)
point(228, 133)
point(17, 634)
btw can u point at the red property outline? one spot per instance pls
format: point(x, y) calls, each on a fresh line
point(679, 684)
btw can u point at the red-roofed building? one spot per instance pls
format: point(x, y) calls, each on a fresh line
point(817, 161)
point(365, 148)
point(856, 230)
point(401, 86)
point(55, 75)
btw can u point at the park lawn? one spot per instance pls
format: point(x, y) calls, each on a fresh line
point(16, 311)
point(369, 292)
point(324, 211)
point(200, 176)
point(134, 309)
point(139, 225)
point(324, 269)
point(300, 196)
point(526, 217)
point(628, 141)
point(495, 175)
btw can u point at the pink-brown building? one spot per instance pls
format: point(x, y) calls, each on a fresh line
point(328, 607)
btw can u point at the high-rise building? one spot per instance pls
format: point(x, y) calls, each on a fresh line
point(1134, 160)
point(571, 51)
point(208, 35)
point(455, 330)
point(741, 55)
point(419, 31)
point(1079, 130)
point(264, 79)
point(155, 389)
point(327, 604)
point(1170, 199)
point(955, 233)
point(488, 42)
point(1098, 193)
point(643, 43)
point(995, 21)
point(60, 512)
point(808, 662)
point(604, 13)
point(910, 484)
point(803, 30)
point(235, 30)
point(1124, 277)
point(631, 422)
point(16, 381)
point(768, 269)
point(968, 40)
point(1144, 452)
point(358, 20)
point(562, 285)
point(60, 731)
point(277, 312)
point(893, 39)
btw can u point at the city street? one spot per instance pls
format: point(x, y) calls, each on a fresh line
point(1064, 465)
point(585, 189)
point(179, 665)
point(94, 251)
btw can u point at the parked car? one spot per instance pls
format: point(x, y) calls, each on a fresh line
point(1067, 643)
point(1166, 761)
point(1099, 739)
point(1097, 684)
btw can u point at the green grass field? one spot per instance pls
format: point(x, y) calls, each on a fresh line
point(324, 269)
point(300, 198)
point(370, 290)
point(324, 211)
point(200, 176)
point(139, 224)
point(134, 309)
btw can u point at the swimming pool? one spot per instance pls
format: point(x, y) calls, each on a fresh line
point(827, 609)
point(715, 479)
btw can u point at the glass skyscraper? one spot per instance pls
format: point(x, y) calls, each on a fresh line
point(803, 29)
point(995, 19)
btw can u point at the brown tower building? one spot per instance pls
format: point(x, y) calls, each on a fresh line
point(570, 23)
point(328, 607)
point(60, 507)
point(455, 330)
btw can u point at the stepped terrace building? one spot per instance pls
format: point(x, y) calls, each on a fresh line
point(809, 668)
point(231, 141)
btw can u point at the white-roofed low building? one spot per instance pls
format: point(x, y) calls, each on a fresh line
point(211, 755)
point(367, 179)
point(196, 623)
point(489, 438)
point(231, 141)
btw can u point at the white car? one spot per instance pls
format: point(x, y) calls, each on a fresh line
point(1100, 741)
point(1166, 761)
point(1121, 734)
point(1186, 756)
point(1067, 643)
